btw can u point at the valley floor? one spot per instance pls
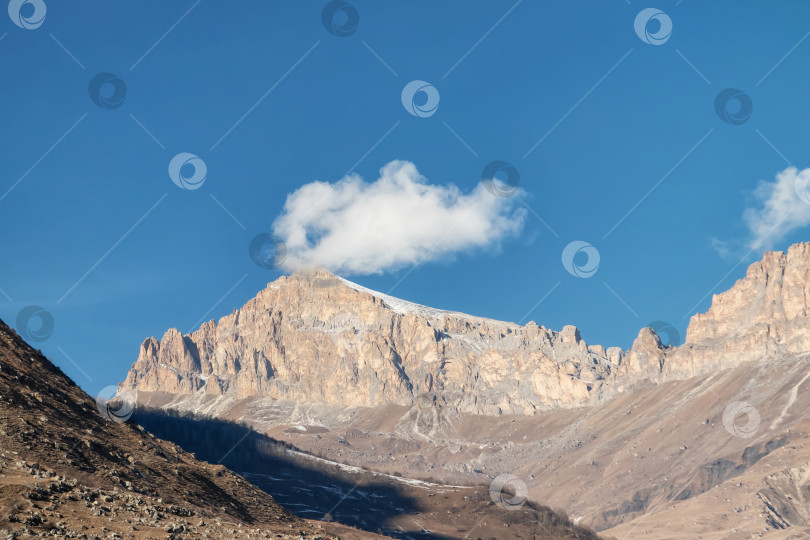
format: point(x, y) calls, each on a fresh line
point(657, 462)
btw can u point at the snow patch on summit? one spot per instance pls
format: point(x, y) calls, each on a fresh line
point(404, 307)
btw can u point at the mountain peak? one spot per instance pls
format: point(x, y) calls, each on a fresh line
point(314, 273)
point(316, 337)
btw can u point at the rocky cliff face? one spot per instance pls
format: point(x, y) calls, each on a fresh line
point(765, 315)
point(316, 338)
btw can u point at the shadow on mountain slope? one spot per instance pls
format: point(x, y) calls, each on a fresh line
point(317, 489)
point(307, 487)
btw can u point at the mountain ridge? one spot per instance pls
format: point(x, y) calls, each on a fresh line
point(358, 347)
point(400, 325)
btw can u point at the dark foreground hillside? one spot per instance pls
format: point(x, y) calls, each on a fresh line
point(67, 472)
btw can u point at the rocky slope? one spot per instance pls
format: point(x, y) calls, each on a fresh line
point(316, 338)
point(67, 472)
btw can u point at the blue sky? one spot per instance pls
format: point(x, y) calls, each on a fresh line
point(96, 232)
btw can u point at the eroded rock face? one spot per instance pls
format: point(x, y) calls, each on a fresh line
point(763, 316)
point(316, 338)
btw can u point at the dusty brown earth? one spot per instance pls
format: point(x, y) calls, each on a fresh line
point(655, 464)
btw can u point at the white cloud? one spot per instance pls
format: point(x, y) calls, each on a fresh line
point(727, 249)
point(783, 207)
point(357, 227)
